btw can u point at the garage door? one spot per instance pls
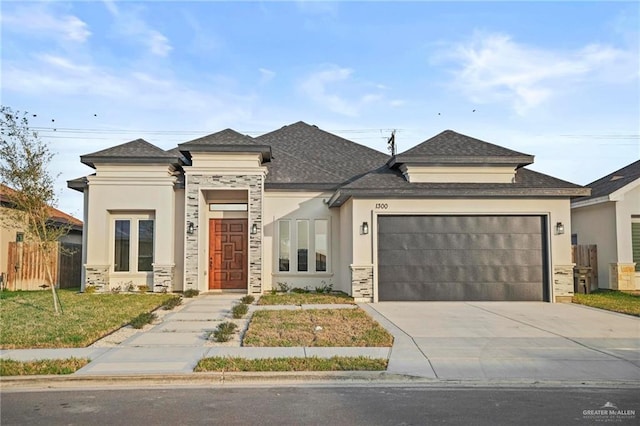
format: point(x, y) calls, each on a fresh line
point(462, 258)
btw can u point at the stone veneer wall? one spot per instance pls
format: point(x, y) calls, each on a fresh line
point(622, 276)
point(194, 184)
point(563, 282)
point(97, 276)
point(163, 277)
point(362, 283)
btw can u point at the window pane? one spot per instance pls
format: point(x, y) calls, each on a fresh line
point(285, 246)
point(122, 239)
point(635, 243)
point(321, 245)
point(145, 246)
point(303, 245)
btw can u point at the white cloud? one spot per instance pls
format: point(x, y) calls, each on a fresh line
point(40, 21)
point(266, 75)
point(495, 68)
point(131, 27)
point(334, 87)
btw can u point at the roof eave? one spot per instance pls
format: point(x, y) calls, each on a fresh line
point(264, 150)
point(91, 161)
point(441, 160)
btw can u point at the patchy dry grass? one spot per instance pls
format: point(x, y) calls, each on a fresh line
point(305, 299)
point(315, 327)
point(28, 319)
point(611, 300)
point(9, 367)
point(292, 364)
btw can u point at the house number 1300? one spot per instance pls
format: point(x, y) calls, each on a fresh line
point(382, 206)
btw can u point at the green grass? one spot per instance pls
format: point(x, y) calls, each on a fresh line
point(9, 367)
point(611, 300)
point(292, 364)
point(28, 320)
point(305, 299)
point(315, 327)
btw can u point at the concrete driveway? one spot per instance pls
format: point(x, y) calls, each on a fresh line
point(510, 341)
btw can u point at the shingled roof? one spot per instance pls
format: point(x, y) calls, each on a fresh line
point(55, 215)
point(450, 147)
point(306, 156)
point(227, 140)
point(137, 151)
point(611, 183)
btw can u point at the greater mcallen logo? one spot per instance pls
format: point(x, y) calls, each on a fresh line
point(609, 412)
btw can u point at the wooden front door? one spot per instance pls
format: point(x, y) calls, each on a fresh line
point(227, 254)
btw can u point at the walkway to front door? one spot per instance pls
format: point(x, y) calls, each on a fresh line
point(227, 254)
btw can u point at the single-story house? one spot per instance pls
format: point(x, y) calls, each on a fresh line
point(13, 232)
point(610, 219)
point(453, 218)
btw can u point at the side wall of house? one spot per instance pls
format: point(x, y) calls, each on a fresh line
point(627, 208)
point(596, 224)
point(293, 207)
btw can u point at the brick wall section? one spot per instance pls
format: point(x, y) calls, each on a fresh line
point(163, 277)
point(98, 277)
point(197, 182)
point(622, 276)
point(362, 283)
point(563, 282)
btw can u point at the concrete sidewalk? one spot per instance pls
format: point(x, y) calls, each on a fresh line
point(180, 340)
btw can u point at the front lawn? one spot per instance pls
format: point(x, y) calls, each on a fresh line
point(335, 363)
point(305, 299)
point(9, 367)
point(315, 327)
point(28, 319)
point(611, 300)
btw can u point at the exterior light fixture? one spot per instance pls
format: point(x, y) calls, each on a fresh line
point(254, 229)
point(190, 228)
point(365, 228)
point(559, 228)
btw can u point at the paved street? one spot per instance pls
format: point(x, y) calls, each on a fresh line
point(362, 405)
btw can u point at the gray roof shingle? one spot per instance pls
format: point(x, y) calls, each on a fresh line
point(613, 181)
point(227, 140)
point(450, 147)
point(136, 151)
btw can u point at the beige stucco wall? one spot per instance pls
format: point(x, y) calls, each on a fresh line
point(179, 240)
point(127, 189)
point(346, 244)
point(302, 205)
point(627, 205)
point(596, 224)
point(7, 234)
point(557, 210)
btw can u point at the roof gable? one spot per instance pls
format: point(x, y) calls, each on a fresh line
point(450, 147)
point(227, 140)
point(136, 151)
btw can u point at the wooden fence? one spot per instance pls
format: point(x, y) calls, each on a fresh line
point(586, 256)
point(26, 269)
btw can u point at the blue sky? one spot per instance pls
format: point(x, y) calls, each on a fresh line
point(559, 80)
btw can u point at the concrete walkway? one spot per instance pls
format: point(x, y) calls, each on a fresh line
point(175, 345)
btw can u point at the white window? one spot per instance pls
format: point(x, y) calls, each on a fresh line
point(635, 241)
point(133, 242)
point(308, 241)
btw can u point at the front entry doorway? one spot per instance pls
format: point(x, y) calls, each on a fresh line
point(228, 254)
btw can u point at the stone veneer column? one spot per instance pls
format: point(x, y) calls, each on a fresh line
point(163, 278)
point(563, 283)
point(97, 276)
point(196, 182)
point(622, 276)
point(362, 283)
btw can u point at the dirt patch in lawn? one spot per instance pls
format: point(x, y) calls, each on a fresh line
point(305, 299)
point(316, 327)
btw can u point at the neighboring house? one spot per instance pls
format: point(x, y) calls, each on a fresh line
point(14, 232)
point(610, 218)
point(453, 218)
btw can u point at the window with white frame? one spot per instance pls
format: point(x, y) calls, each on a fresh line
point(308, 240)
point(635, 240)
point(133, 240)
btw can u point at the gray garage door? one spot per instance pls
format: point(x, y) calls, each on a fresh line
point(462, 258)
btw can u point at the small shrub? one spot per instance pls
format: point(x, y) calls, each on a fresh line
point(130, 287)
point(239, 310)
point(273, 291)
point(191, 292)
point(284, 287)
point(143, 319)
point(90, 289)
point(172, 303)
point(224, 331)
point(325, 289)
point(248, 299)
point(299, 290)
point(116, 290)
point(143, 288)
